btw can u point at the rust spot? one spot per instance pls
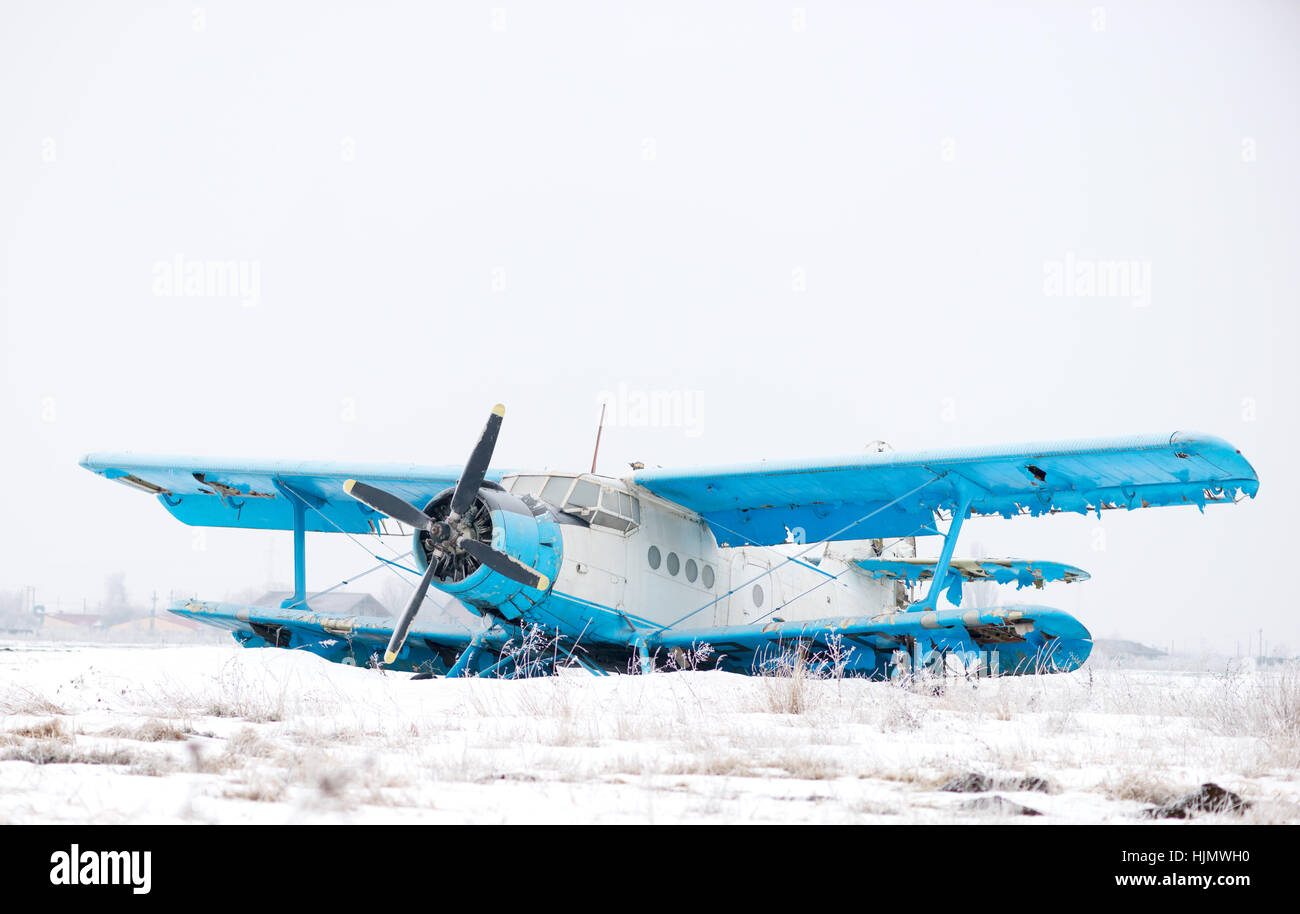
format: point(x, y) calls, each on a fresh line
point(229, 491)
point(994, 633)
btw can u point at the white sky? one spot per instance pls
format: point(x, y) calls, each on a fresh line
point(651, 183)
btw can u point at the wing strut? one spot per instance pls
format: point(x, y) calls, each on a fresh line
point(466, 656)
point(965, 494)
point(299, 598)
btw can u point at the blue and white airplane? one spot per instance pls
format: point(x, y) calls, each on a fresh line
point(735, 568)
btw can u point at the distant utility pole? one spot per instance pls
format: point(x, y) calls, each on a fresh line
point(153, 613)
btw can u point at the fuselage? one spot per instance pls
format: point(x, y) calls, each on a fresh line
point(627, 570)
point(621, 558)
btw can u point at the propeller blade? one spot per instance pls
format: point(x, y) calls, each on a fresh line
point(408, 615)
point(384, 503)
point(471, 480)
point(512, 568)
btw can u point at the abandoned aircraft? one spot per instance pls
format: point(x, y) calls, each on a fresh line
point(735, 568)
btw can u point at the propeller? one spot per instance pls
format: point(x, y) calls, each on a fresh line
point(394, 507)
point(455, 539)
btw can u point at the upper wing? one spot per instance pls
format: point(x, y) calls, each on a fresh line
point(234, 492)
point(897, 493)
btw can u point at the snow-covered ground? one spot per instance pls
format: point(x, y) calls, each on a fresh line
point(120, 734)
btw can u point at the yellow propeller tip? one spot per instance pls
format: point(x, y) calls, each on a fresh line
point(499, 410)
point(544, 582)
point(347, 486)
point(389, 656)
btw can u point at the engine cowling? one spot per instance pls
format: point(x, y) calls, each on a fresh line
point(507, 524)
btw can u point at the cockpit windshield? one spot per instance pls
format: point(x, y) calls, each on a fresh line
point(595, 500)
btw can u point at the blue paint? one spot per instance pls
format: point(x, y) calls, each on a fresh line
point(262, 504)
point(1053, 641)
point(1078, 476)
point(930, 600)
point(533, 540)
point(851, 498)
point(1021, 572)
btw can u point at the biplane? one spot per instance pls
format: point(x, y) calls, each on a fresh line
point(728, 567)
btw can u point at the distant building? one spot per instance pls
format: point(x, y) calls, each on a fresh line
point(335, 603)
point(1116, 647)
point(56, 621)
point(163, 623)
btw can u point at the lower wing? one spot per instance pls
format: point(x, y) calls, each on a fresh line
point(352, 640)
point(1008, 640)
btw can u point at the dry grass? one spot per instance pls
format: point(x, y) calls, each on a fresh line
point(59, 752)
point(720, 764)
point(247, 743)
point(20, 700)
point(789, 683)
point(235, 693)
point(256, 792)
point(1141, 787)
point(874, 808)
point(318, 743)
point(46, 729)
point(809, 767)
point(153, 730)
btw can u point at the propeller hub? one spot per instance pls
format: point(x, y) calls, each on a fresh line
point(453, 564)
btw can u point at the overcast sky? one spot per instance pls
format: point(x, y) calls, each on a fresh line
point(817, 224)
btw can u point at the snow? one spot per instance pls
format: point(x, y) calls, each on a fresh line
point(141, 734)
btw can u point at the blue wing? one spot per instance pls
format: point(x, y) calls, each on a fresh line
point(235, 492)
point(897, 493)
point(1021, 572)
point(342, 639)
point(1008, 640)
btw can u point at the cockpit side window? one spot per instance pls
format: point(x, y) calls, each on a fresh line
point(618, 511)
point(556, 489)
point(583, 497)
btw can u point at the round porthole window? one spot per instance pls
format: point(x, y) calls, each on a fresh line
point(654, 558)
point(692, 570)
point(708, 576)
point(758, 595)
point(674, 564)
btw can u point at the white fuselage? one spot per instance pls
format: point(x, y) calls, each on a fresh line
point(668, 568)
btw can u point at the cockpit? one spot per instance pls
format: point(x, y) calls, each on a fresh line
point(599, 502)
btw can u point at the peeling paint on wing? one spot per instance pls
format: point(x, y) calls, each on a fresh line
point(339, 626)
point(230, 491)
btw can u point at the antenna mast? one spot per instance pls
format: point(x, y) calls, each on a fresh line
point(598, 431)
